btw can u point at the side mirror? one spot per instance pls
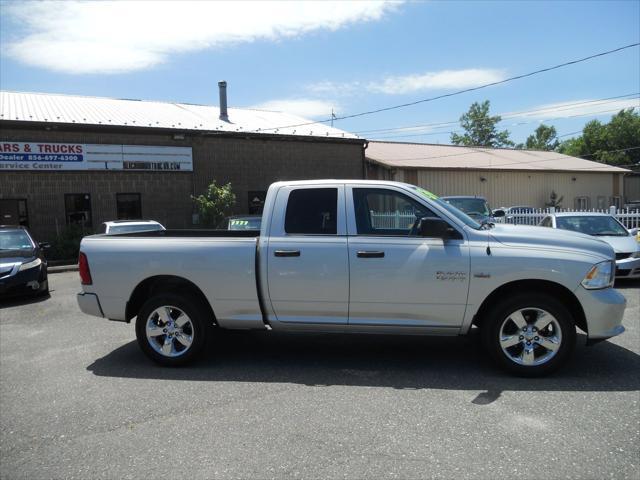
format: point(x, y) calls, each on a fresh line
point(633, 231)
point(44, 245)
point(436, 228)
point(498, 213)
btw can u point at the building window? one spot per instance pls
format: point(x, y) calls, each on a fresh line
point(77, 207)
point(616, 202)
point(581, 203)
point(129, 206)
point(14, 212)
point(312, 211)
point(256, 202)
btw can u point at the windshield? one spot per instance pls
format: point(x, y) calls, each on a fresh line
point(596, 225)
point(460, 215)
point(134, 228)
point(15, 240)
point(474, 207)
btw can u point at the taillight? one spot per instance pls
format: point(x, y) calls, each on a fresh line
point(83, 268)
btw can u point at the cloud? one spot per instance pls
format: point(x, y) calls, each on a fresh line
point(120, 36)
point(335, 88)
point(307, 108)
point(442, 80)
point(584, 107)
point(398, 85)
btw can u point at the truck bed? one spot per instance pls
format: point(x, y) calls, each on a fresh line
point(221, 263)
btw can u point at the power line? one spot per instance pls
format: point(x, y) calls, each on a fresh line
point(459, 92)
point(566, 106)
point(570, 133)
point(513, 125)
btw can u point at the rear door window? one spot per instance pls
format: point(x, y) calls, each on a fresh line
point(312, 211)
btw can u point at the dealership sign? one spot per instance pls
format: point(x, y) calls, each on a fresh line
point(76, 156)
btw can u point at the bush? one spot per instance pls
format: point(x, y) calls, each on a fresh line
point(67, 245)
point(215, 204)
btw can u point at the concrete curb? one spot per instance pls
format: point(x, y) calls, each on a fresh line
point(62, 268)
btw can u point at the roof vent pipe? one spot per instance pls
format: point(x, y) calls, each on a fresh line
point(222, 87)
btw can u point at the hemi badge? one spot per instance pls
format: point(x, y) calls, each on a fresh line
point(482, 275)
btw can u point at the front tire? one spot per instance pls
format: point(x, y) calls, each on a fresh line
point(529, 334)
point(171, 329)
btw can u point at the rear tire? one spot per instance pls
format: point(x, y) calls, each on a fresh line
point(529, 334)
point(171, 329)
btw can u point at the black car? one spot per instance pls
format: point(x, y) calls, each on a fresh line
point(23, 266)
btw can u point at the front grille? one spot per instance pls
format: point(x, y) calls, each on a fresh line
point(622, 256)
point(622, 273)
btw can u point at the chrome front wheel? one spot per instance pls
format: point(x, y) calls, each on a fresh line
point(530, 336)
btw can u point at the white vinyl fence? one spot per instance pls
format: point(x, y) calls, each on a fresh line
point(402, 220)
point(629, 218)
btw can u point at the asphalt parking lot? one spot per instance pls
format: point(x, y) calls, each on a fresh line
point(79, 400)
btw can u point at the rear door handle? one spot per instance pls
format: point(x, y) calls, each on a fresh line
point(287, 253)
point(370, 254)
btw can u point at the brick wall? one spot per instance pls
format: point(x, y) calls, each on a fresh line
point(250, 164)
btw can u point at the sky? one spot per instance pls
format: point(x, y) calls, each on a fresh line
point(312, 58)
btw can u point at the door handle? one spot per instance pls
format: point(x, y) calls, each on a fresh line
point(287, 253)
point(370, 254)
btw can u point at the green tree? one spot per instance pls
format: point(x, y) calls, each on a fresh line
point(215, 204)
point(481, 128)
point(545, 137)
point(609, 143)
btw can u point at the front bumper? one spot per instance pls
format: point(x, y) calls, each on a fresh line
point(604, 310)
point(89, 304)
point(628, 268)
point(23, 283)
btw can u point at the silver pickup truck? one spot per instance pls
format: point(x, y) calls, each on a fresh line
point(363, 257)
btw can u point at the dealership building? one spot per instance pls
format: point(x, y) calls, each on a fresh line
point(85, 160)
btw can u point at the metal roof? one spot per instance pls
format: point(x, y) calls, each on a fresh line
point(75, 109)
point(422, 155)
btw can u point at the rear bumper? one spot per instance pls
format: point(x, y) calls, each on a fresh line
point(604, 310)
point(89, 304)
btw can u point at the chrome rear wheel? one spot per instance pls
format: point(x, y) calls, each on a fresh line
point(169, 331)
point(171, 328)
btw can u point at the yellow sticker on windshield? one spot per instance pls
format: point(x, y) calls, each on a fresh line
point(427, 193)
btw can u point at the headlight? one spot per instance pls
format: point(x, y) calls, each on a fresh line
point(601, 275)
point(635, 254)
point(34, 263)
